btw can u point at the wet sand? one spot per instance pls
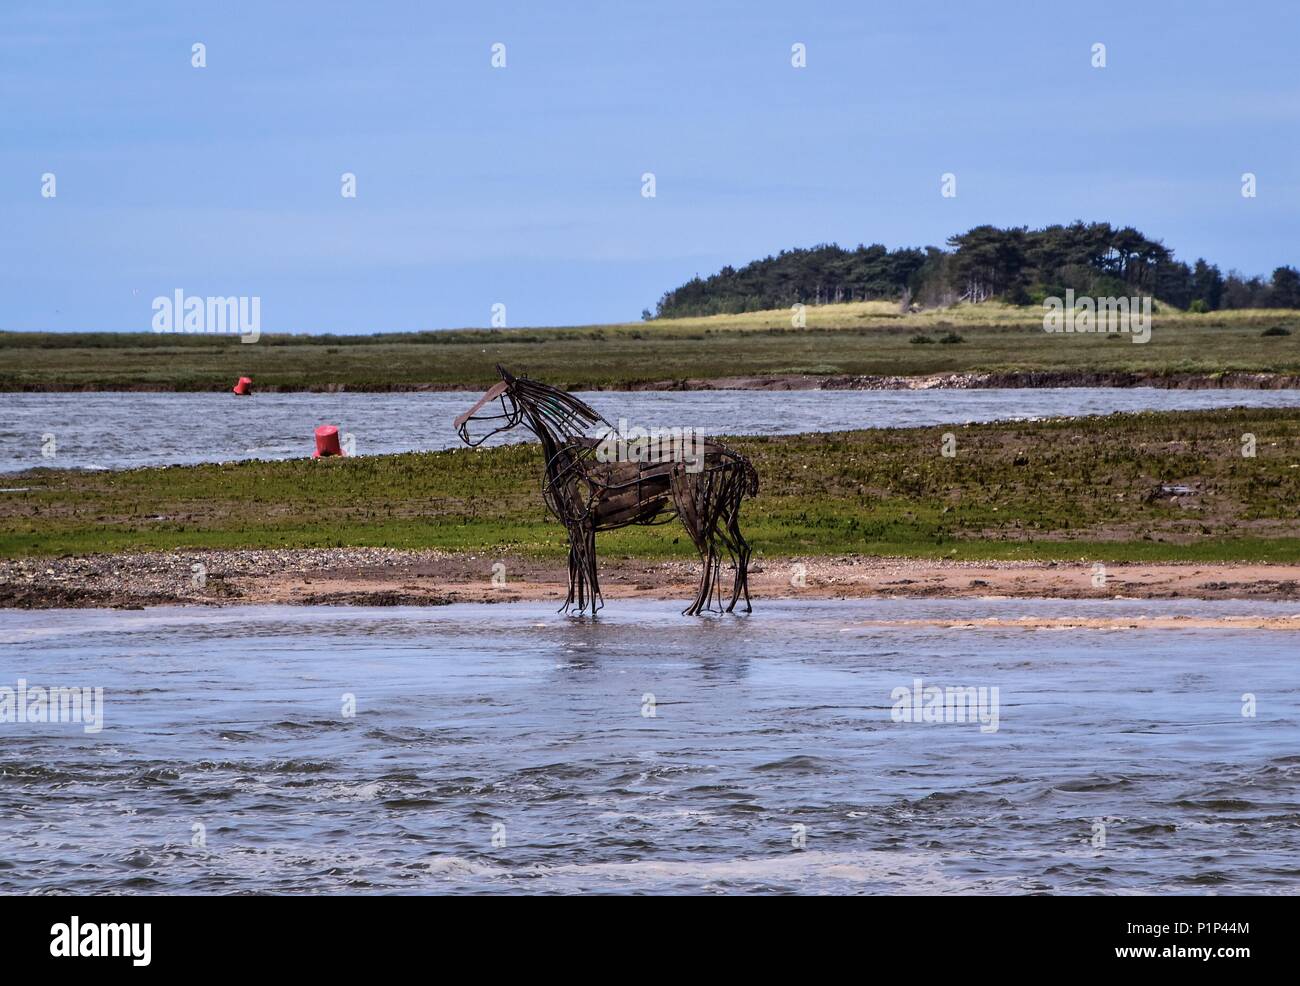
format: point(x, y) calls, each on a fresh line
point(383, 576)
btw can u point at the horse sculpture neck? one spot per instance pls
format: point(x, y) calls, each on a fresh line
point(554, 416)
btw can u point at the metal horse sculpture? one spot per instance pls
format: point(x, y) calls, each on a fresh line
point(587, 494)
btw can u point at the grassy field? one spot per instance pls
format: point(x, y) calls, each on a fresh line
point(1071, 489)
point(862, 338)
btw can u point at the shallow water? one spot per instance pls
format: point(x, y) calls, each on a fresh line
point(116, 430)
point(473, 717)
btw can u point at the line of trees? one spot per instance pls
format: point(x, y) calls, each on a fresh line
point(1016, 265)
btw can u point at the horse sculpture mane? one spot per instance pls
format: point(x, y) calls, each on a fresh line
point(558, 412)
point(589, 491)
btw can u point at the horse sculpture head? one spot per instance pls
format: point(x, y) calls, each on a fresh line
point(498, 407)
point(552, 414)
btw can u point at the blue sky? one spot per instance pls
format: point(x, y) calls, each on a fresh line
point(522, 185)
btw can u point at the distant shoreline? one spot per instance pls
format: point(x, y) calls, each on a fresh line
point(1026, 379)
point(860, 345)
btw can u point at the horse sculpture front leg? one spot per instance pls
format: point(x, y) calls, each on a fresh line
point(565, 497)
point(584, 584)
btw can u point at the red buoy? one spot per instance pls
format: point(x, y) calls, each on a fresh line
point(244, 387)
point(327, 441)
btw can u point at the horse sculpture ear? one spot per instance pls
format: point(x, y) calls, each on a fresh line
point(505, 374)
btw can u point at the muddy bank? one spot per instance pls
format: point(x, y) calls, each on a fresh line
point(788, 381)
point(984, 381)
point(389, 577)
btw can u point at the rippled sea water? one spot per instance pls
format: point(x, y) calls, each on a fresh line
point(120, 430)
point(503, 748)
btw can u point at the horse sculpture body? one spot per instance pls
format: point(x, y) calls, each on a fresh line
point(588, 491)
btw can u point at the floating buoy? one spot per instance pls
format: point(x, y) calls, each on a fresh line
point(327, 442)
point(244, 387)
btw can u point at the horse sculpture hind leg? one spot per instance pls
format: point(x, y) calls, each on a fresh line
point(708, 503)
point(739, 550)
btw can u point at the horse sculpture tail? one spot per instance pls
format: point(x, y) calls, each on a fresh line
point(749, 475)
